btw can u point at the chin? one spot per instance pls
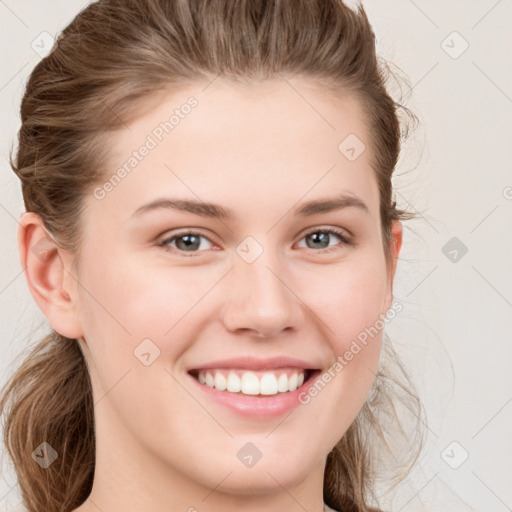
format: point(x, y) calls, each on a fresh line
point(254, 482)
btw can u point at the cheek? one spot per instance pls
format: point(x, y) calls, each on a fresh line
point(349, 303)
point(348, 298)
point(127, 312)
point(348, 306)
point(128, 301)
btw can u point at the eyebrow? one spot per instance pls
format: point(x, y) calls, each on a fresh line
point(323, 205)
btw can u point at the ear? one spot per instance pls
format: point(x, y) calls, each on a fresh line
point(49, 281)
point(394, 249)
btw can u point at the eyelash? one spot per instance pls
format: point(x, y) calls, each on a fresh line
point(340, 234)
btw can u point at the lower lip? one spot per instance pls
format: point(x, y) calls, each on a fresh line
point(258, 406)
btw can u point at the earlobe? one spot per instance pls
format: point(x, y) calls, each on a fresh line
point(395, 245)
point(41, 258)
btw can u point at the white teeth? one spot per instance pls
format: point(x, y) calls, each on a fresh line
point(249, 383)
point(292, 382)
point(220, 381)
point(282, 383)
point(268, 384)
point(234, 384)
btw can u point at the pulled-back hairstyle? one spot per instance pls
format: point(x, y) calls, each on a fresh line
point(113, 56)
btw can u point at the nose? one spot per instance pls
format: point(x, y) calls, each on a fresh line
point(261, 299)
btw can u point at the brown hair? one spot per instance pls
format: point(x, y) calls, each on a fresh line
point(112, 56)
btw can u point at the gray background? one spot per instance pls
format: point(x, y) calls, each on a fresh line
point(455, 330)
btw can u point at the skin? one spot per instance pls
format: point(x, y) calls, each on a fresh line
point(260, 150)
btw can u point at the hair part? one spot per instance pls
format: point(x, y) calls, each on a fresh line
point(111, 58)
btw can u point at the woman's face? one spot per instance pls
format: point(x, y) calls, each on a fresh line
point(164, 290)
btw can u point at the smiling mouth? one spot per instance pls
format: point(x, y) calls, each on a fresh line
point(254, 383)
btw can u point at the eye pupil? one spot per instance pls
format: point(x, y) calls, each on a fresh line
point(189, 241)
point(320, 237)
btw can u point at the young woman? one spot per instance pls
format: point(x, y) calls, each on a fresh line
point(211, 233)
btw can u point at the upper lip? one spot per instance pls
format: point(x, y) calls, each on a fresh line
point(253, 363)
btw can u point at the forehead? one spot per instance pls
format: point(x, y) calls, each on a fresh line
point(242, 144)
